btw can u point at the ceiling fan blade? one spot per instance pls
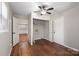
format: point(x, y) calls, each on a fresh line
point(48, 12)
point(43, 7)
point(50, 9)
point(40, 7)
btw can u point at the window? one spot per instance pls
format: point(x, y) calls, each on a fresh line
point(4, 19)
point(0, 16)
point(0, 23)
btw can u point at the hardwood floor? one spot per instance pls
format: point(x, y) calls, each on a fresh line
point(43, 47)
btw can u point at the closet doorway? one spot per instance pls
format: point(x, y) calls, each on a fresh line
point(40, 29)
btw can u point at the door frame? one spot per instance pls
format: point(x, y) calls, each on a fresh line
point(12, 32)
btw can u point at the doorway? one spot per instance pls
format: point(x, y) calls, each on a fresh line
point(20, 27)
point(40, 29)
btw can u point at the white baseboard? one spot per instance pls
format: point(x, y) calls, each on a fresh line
point(67, 46)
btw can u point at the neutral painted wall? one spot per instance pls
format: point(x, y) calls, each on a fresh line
point(50, 30)
point(5, 37)
point(66, 27)
point(71, 24)
point(30, 29)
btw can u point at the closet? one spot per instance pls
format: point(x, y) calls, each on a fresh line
point(40, 29)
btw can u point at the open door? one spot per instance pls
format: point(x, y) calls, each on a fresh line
point(15, 31)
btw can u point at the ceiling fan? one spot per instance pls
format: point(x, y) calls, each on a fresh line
point(44, 10)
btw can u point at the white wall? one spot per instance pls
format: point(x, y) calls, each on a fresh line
point(66, 27)
point(5, 37)
point(50, 30)
point(71, 24)
point(30, 29)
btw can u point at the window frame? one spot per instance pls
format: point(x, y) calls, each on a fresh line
point(4, 18)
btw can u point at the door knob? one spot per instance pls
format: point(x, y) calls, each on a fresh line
point(13, 33)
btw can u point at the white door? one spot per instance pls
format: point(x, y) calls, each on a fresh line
point(59, 30)
point(37, 32)
point(15, 31)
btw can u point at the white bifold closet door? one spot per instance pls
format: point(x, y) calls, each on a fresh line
point(40, 29)
point(38, 32)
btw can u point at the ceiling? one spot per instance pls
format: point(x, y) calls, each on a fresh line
point(25, 8)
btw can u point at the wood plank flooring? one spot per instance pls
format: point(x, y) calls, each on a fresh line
point(43, 47)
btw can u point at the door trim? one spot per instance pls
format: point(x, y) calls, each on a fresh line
point(12, 32)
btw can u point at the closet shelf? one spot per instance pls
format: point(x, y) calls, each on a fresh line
point(22, 24)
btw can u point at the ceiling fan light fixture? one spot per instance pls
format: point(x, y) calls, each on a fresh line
point(43, 12)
